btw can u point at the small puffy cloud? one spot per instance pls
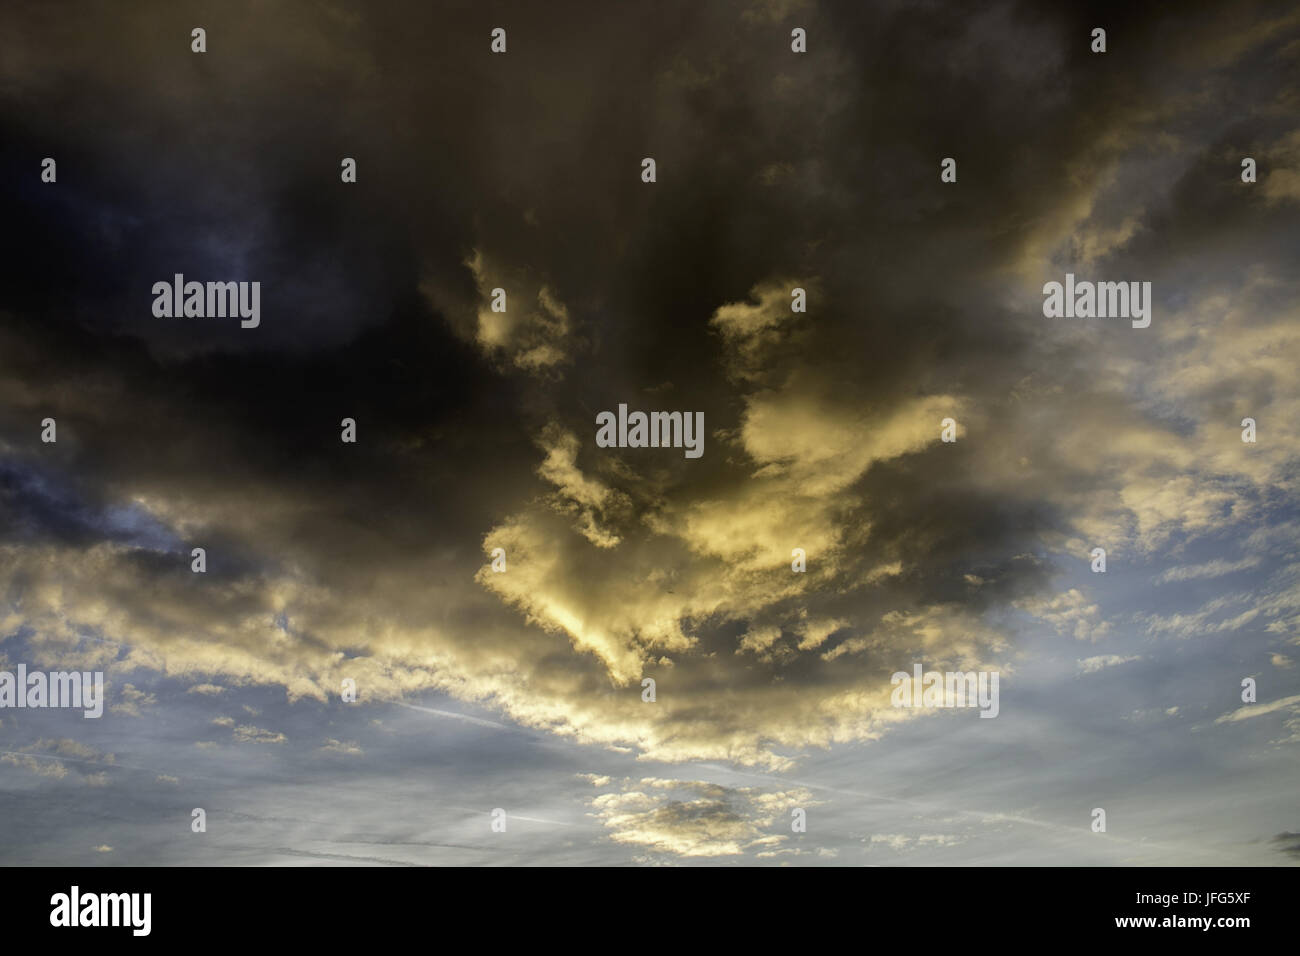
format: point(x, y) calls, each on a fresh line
point(348, 748)
point(1091, 665)
point(60, 759)
point(697, 819)
point(534, 332)
point(132, 699)
point(900, 842)
point(1210, 569)
point(36, 765)
point(1069, 613)
point(247, 733)
point(1251, 711)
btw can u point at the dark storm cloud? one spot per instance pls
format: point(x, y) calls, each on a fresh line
point(522, 171)
point(1287, 843)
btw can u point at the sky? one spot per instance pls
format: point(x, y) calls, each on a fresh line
point(500, 714)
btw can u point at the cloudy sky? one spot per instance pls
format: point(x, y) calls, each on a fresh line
point(522, 690)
